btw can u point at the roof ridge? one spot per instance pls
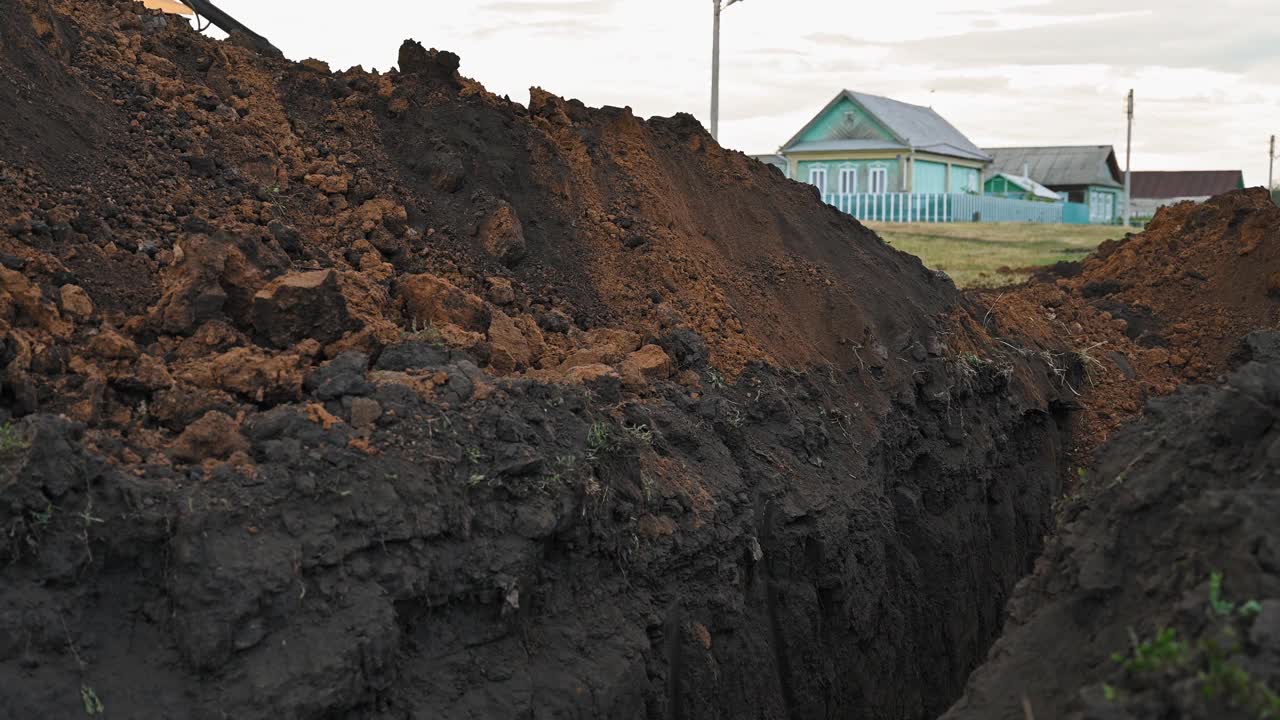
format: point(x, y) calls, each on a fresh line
point(892, 100)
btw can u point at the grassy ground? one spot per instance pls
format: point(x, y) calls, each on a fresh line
point(987, 254)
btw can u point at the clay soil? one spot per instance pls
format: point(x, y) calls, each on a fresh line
point(344, 394)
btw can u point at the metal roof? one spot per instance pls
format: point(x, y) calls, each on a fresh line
point(1060, 166)
point(1029, 185)
point(1162, 185)
point(911, 125)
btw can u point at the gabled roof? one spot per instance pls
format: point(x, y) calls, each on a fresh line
point(1185, 183)
point(1062, 165)
point(1029, 185)
point(911, 126)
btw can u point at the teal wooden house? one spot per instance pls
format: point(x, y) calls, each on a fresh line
point(1087, 177)
point(867, 144)
point(883, 160)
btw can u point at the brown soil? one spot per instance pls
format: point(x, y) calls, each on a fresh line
point(1120, 619)
point(1159, 308)
point(343, 394)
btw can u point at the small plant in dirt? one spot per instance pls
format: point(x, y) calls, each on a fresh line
point(474, 455)
point(12, 441)
point(639, 433)
point(1221, 607)
point(92, 703)
point(600, 441)
point(648, 487)
point(44, 517)
point(715, 379)
point(1159, 654)
point(1222, 679)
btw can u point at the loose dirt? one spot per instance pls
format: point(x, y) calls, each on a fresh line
point(345, 394)
point(375, 395)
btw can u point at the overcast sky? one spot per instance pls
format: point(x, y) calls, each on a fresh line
point(1005, 72)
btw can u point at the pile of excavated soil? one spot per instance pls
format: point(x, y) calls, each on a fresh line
point(346, 394)
point(1159, 597)
point(1154, 310)
point(1159, 594)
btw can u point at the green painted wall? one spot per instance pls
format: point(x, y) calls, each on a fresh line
point(862, 168)
point(1106, 204)
point(996, 186)
point(846, 121)
point(930, 177)
point(1000, 186)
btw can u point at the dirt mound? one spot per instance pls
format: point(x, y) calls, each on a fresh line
point(377, 395)
point(1156, 309)
point(1160, 595)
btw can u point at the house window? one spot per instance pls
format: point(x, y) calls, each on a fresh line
point(818, 178)
point(878, 179)
point(848, 180)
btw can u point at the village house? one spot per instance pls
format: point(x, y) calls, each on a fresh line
point(868, 144)
point(1088, 177)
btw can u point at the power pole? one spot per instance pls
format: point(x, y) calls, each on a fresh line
point(1271, 165)
point(1128, 155)
point(715, 66)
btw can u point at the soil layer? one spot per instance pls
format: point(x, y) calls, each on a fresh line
point(346, 394)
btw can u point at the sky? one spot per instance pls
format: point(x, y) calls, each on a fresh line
point(1005, 72)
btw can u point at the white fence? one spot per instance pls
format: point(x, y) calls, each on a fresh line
point(944, 208)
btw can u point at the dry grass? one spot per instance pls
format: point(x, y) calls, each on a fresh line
point(991, 254)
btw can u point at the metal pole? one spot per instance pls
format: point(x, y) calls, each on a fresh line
point(715, 71)
point(1128, 153)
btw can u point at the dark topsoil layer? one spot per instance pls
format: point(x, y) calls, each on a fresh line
point(1159, 597)
point(346, 395)
point(362, 395)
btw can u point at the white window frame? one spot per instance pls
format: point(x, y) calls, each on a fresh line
point(878, 180)
point(818, 178)
point(848, 180)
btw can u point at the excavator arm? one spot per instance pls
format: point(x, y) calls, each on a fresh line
point(212, 13)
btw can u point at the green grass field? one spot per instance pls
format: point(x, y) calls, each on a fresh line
point(991, 254)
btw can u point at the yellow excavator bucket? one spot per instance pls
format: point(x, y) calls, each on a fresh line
point(169, 6)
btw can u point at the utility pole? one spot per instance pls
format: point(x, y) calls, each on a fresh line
point(715, 66)
point(1128, 155)
point(1271, 165)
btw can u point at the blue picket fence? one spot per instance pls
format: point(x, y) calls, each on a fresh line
point(945, 208)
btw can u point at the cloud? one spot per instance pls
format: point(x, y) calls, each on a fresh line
point(560, 7)
point(1206, 38)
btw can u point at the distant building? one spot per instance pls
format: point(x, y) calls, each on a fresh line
point(1155, 189)
point(1088, 176)
point(867, 144)
point(1008, 185)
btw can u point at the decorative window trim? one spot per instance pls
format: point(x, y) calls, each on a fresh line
point(878, 179)
point(815, 172)
point(849, 171)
